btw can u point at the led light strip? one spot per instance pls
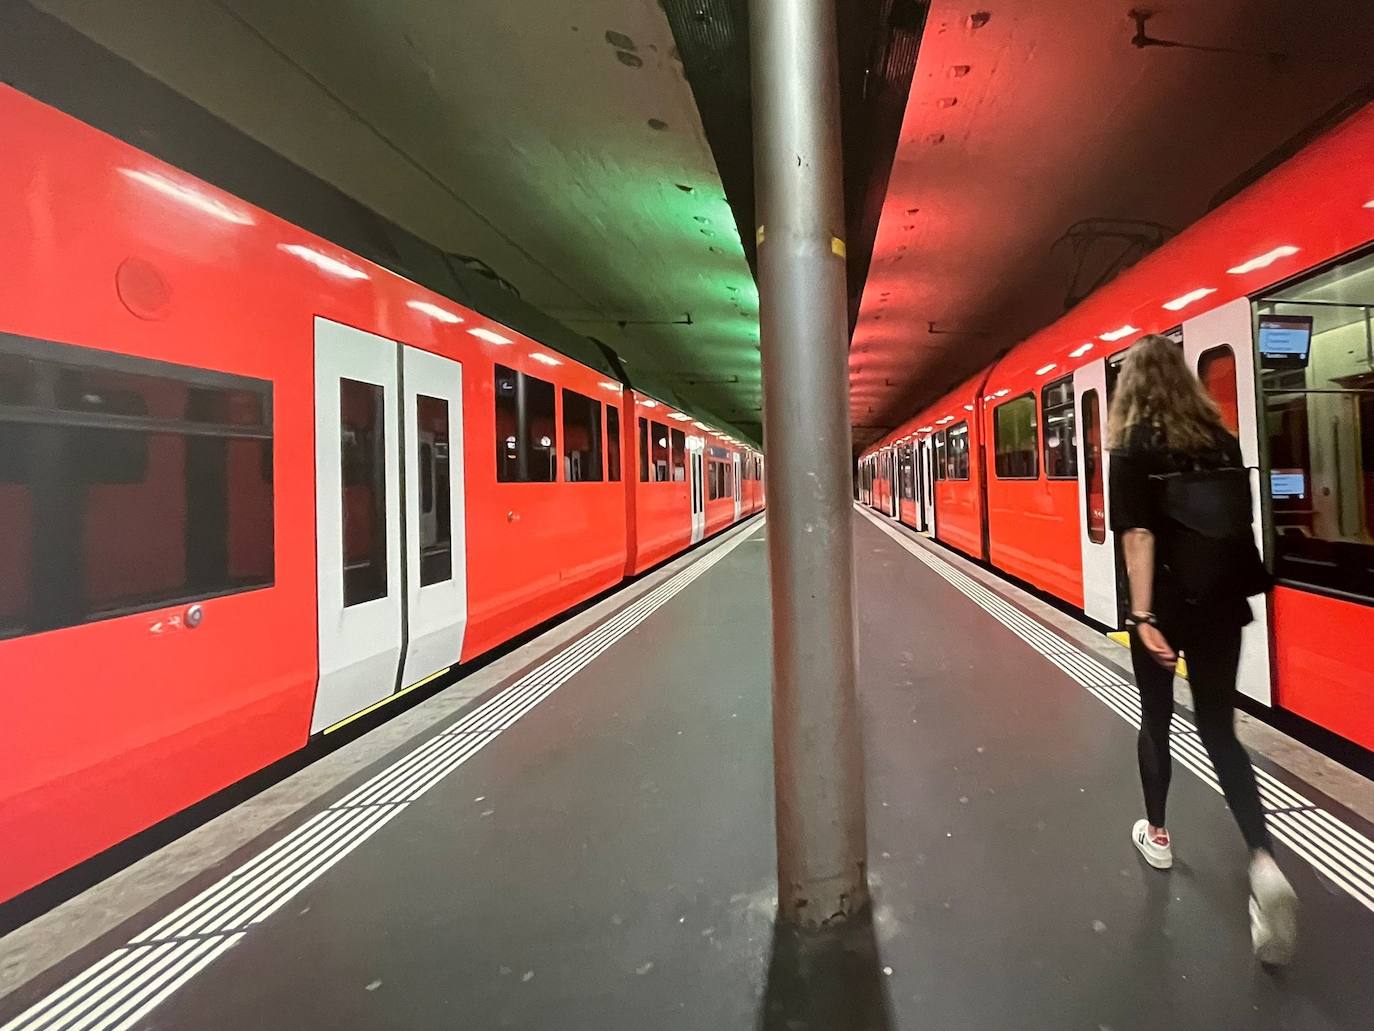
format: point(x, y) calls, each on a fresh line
point(1333, 848)
point(124, 986)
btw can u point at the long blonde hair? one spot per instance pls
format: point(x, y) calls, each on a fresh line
point(1158, 390)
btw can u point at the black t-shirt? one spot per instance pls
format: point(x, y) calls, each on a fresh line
point(1136, 504)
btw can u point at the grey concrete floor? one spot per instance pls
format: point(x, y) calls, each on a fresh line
point(608, 861)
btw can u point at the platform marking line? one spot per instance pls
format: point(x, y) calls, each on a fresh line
point(120, 989)
point(1338, 852)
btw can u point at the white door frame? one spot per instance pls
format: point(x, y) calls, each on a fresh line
point(359, 645)
point(696, 474)
point(436, 614)
point(1099, 559)
point(737, 487)
point(1232, 325)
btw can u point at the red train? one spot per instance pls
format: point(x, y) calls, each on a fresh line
point(252, 485)
point(1271, 297)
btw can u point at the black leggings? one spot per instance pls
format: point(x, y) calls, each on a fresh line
point(1213, 657)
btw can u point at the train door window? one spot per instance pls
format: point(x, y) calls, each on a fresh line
point(1061, 442)
point(524, 428)
point(581, 438)
point(659, 432)
point(1094, 497)
point(1216, 367)
point(678, 440)
point(126, 485)
point(644, 450)
point(612, 443)
point(1014, 439)
point(436, 519)
point(1316, 354)
point(362, 416)
point(941, 459)
point(958, 451)
point(908, 486)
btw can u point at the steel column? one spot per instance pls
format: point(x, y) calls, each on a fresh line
point(818, 757)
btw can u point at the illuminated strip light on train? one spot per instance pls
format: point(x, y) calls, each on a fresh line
point(1264, 260)
point(606, 384)
point(546, 359)
point(1186, 299)
point(489, 336)
point(1046, 369)
point(1117, 334)
point(1081, 350)
point(322, 261)
point(434, 311)
point(189, 196)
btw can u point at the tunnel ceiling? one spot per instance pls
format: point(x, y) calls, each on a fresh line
point(1027, 118)
point(557, 141)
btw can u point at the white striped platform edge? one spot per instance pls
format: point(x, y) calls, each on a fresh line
point(119, 990)
point(1338, 852)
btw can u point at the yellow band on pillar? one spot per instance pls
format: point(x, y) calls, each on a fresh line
point(837, 247)
point(758, 235)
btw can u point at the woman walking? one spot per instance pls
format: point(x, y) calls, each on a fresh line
point(1180, 501)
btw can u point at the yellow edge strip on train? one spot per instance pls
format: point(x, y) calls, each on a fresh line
point(1122, 638)
point(385, 701)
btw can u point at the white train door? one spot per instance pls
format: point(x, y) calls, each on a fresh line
point(926, 463)
point(737, 486)
point(1219, 348)
point(696, 464)
point(358, 533)
point(435, 561)
point(1097, 543)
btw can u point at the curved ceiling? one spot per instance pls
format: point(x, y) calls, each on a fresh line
point(556, 141)
point(1029, 117)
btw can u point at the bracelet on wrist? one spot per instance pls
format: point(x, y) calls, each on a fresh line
point(1135, 619)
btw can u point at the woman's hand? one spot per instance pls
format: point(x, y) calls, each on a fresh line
point(1159, 648)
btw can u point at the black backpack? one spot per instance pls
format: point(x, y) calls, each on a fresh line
point(1211, 555)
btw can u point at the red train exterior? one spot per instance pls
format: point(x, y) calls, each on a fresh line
point(1271, 297)
point(180, 319)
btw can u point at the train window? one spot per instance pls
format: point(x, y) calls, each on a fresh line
point(679, 448)
point(127, 485)
point(581, 438)
point(612, 443)
point(1318, 396)
point(436, 517)
point(1014, 443)
point(1061, 442)
point(524, 428)
point(1094, 497)
point(659, 433)
point(941, 459)
point(362, 418)
point(908, 485)
point(643, 450)
point(1216, 368)
point(958, 451)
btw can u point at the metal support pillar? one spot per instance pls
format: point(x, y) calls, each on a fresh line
point(818, 756)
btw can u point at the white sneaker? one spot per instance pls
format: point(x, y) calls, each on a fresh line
point(1273, 912)
point(1161, 857)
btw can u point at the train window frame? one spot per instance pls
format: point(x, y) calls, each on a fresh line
point(1069, 445)
point(517, 458)
point(613, 469)
point(941, 456)
point(583, 414)
point(1001, 415)
point(660, 452)
point(1297, 405)
point(677, 450)
point(644, 450)
point(959, 470)
point(436, 491)
point(1094, 454)
point(1228, 406)
point(225, 418)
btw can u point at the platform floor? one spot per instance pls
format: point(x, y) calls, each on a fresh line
point(591, 847)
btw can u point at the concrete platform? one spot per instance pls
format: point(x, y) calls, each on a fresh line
point(590, 846)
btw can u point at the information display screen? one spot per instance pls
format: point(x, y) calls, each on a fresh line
point(1287, 484)
point(1286, 338)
